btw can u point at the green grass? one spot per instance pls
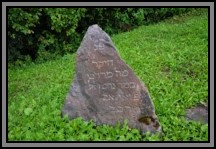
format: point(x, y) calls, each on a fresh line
point(170, 57)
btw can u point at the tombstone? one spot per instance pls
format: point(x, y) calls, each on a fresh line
point(105, 89)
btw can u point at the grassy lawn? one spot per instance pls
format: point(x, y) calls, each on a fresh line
point(171, 58)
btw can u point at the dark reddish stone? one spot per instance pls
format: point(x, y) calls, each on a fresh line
point(105, 89)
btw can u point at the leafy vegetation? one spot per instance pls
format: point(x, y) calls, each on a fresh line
point(42, 34)
point(171, 57)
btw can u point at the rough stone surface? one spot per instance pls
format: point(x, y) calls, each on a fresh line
point(105, 89)
point(198, 113)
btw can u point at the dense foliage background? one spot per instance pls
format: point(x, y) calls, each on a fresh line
point(41, 34)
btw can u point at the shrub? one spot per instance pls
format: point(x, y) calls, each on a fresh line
point(45, 33)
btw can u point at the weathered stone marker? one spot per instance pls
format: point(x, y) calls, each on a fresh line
point(105, 89)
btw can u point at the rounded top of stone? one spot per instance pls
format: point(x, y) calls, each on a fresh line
point(94, 27)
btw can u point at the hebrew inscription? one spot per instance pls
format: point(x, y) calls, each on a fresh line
point(100, 64)
point(98, 45)
point(105, 89)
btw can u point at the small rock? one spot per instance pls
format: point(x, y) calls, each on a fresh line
point(198, 113)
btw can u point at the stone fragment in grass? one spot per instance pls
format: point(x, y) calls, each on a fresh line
point(198, 113)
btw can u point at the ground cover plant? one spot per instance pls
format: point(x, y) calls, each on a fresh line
point(170, 57)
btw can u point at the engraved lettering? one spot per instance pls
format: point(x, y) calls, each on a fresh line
point(113, 86)
point(104, 97)
point(108, 61)
point(111, 97)
point(96, 45)
point(136, 95)
point(118, 73)
point(90, 76)
point(132, 85)
point(109, 74)
point(92, 87)
point(100, 64)
point(128, 96)
point(98, 74)
point(124, 73)
point(104, 86)
point(103, 73)
point(101, 46)
point(95, 63)
point(127, 85)
point(108, 86)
